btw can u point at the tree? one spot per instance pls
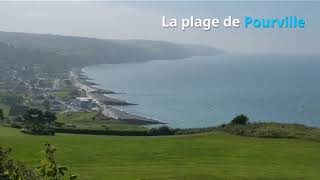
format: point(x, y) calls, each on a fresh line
point(75, 93)
point(240, 119)
point(47, 105)
point(38, 122)
point(33, 118)
point(163, 130)
point(1, 114)
point(49, 117)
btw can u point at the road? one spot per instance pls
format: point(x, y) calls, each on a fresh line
point(114, 113)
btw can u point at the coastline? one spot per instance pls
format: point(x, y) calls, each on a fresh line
point(106, 103)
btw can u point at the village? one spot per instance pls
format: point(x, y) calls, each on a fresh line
point(25, 87)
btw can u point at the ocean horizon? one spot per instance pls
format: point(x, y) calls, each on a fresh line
point(211, 90)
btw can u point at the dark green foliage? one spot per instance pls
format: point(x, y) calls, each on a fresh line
point(1, 115)
point(49, 168)
point(49, 117)
point(163, 130)
point(16, 125)
point(47, 105)
point(194, 130)
point(75, 93)
point(101, 132)
point(18, 119)
point(240, 120)
point(14, 170)
point(38, 122)
point(3, 161)
point(58, 124)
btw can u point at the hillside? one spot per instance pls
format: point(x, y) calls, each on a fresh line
point(86, 51)
point(215, 155)
point(22, 56)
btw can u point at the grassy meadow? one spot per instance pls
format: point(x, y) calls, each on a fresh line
point(63, 94)
point(92, 120)
point(215, 155)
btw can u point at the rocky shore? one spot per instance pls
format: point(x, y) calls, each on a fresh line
point(106, 103)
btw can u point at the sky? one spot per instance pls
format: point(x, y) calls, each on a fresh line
point(142, 20)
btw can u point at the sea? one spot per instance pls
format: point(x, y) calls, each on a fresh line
point(208, 91)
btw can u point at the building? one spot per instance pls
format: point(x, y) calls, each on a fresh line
point(84, 103)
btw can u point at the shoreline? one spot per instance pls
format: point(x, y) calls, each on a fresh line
point(106, 103)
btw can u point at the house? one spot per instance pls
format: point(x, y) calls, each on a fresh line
point(84, 103)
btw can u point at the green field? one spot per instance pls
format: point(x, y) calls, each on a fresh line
point(91, 120)
point(62, 94)
point(216, 155)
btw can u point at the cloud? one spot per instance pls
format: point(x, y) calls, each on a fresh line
point(142, 20)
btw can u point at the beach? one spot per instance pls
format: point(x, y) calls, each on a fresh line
point(106, 103)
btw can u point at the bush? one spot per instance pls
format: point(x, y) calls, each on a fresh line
point(35, 131)
point(15, 125)
point(194, 130)
point(18, 119)
point(240, 120)
point(101, 132)
point(58, 124)
point(13, 170)
point(163, 130)
point(48, 169)
point(1, 115)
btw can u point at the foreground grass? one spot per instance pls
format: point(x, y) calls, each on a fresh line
point(215, 155)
